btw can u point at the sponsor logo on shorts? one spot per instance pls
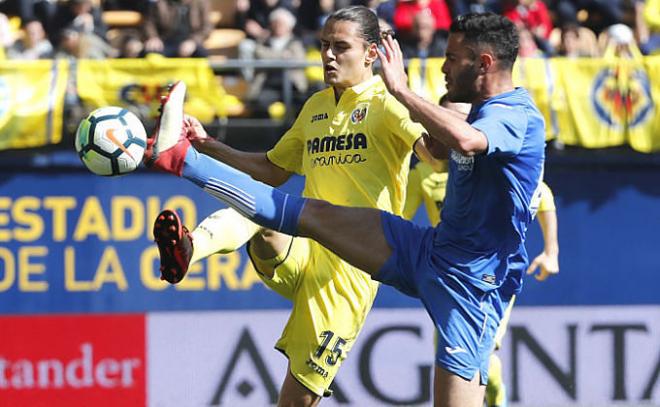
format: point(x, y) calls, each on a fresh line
point(488, 278)
point(454, 350)
point(316, 368)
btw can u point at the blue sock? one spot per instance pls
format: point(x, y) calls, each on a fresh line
point(256, 201)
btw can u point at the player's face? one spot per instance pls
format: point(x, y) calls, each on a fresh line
point(461, 69)
point(346, 56)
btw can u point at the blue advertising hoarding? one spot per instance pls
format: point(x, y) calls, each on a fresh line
point(75, 242)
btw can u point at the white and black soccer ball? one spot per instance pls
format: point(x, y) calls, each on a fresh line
point(111, 141)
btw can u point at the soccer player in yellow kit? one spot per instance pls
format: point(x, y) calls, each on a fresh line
point(352, 142)
point(426, 185)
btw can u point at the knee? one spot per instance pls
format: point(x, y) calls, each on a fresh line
point(267, 243)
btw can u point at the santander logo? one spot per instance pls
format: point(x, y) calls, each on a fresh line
point(83, 371)
point(73, 360)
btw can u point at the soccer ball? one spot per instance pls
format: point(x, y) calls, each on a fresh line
point(111, 141)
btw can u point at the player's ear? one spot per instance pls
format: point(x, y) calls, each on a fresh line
point(371, 54)
point(486, 61)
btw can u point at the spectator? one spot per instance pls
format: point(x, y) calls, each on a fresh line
point(33, 44)
point(533, 14)
point(44, 11)
point(601, 13)
point(385, 11)
point(20, 8)
point(6, 35)
point(311, 17)
point(577, 42)
point(178, 28)
point(255, 23)
point(425, 41)
point(620, 42)
point(406, 9)
point(256, 19)
point(459, 7)
point(528, 47)
point(79, 45)
point(652, 19)
point(130, 46)
point(266, 88)
point(77, 15)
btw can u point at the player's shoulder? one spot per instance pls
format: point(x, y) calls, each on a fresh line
point(319, 97)
point(514, 105)
point(376, 94)
point(519, 97)
point(316, 107)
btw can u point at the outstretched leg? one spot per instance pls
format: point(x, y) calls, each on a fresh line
point(223, 231)
point(355, 234)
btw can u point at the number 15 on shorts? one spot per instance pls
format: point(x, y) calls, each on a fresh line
point(335, 352)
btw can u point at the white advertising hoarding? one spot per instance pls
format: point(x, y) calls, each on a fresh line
point(568, 356)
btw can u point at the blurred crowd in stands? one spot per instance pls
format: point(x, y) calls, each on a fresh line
point(288, 30)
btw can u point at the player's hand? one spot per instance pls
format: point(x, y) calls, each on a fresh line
point(194, 129)
point(392, 69)
point(187, 48)
point(153, 45)
point(547, 264)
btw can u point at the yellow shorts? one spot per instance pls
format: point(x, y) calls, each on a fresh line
point(504, 324)
point(331, 300)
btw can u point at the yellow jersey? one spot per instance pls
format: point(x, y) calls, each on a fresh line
point(354, 152)
point(425, 186)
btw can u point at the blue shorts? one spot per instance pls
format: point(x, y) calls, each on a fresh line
point(466, 318)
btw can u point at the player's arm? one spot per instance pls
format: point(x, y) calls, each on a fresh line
point(437, 149)
point(256, 165)
point(427, 149)
point(441, 123)
point(548, 261)
point(431, 151)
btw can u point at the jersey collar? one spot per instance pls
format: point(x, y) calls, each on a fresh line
point(363, 86)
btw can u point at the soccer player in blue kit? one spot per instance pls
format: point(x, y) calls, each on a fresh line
point(466, 269)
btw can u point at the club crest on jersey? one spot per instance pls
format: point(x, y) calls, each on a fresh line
point(359, 114)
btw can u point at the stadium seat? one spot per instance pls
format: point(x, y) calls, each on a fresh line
point(122, 18)
point(224, 42)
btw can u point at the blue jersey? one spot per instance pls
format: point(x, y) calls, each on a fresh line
point(492, 197)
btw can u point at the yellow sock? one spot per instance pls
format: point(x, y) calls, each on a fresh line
point(495, 391)
point(221, 232)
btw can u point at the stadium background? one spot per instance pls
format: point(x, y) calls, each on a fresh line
point(79, 287)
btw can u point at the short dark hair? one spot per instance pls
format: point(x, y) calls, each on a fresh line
point(491, 29)
point(366, 20)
